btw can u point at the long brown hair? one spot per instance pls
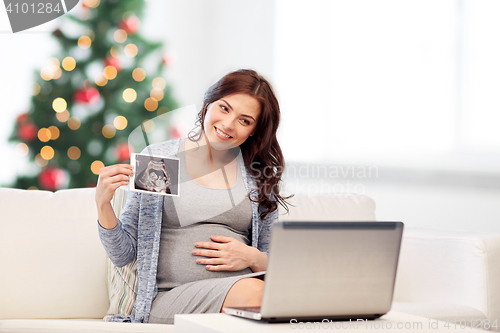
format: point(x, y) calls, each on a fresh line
point(261, 151)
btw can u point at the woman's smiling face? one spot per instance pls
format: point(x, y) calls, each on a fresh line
point(231, 120)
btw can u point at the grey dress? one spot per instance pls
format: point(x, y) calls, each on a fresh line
point(199, 212)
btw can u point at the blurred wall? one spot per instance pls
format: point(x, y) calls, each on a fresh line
point(207, 39)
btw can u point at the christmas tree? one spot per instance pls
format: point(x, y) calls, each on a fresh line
point(105, 82)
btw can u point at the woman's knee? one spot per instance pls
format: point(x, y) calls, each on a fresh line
point(252, 286)
point(245, 292)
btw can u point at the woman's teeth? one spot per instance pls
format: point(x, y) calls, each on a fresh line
point(222, 134)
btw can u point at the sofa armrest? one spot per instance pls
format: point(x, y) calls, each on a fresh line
point(329, 207)
point(460, 267)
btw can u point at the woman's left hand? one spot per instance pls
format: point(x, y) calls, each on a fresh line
point(227, 254)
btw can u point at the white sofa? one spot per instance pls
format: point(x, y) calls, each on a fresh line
point(53, 266)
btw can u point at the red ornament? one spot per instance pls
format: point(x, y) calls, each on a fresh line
point(168, 59)
point(83, 95)
point(51, 179)
point(112, 61)
point(123, 152)
point(175, 133)
point(57, 33)
point(23, 119)
point(27, 132)
point(130, 24)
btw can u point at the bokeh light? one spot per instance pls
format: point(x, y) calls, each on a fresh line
point(150, 104)
point(57, 73)
point(40, 161)
point(22, 149)
point(84, 42)
point(157, 94)
point(115, 51)
point(44, 134)
point(129, 95)
point(46, 74)
point(120, 122)
point(74, 153)
point(100, 79)
point(159, 83)
point(54, 132)
point(59, 104)
point(96, 166)
point(47, 152)
point(51, 70)
point(69, 64)
point(53, 63)
point(91, 3)
point(74, 123)
point(139, 74)
point(131, 50)
point(110, 72)
point(63, 116)
point(162, 110)
point(36, 89)
point(120, 36)
point(108, 131)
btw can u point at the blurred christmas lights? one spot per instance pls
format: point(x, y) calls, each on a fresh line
point(74, 123)
point(139, 74)
point(74, 153)
point(59, 104)
point(69, 64)
point(120, 36)
point(151, 104)
point(110, 72)
point(120, 122)
point(96, 166)
point(159, 83)
point(47, 152)
point(44, 134)
point(84, 42)
point(108, 131)
point(63, 116)
point(129, 95)
point(131, 50)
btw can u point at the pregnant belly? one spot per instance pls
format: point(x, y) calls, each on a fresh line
point(177, 265)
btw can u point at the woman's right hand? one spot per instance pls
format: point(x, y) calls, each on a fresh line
point(110, 178)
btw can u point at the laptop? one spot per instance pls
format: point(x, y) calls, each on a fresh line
point(328, 270)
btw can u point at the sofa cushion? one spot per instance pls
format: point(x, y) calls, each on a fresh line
point(453, 313)
point(122, 281)
point(79, 326)
point(329, 207)
point(457, 267)
point(53, 263)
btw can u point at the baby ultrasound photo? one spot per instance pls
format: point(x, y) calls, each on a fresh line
point(154, 174)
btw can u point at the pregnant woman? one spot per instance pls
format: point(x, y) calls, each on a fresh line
point(207, 248)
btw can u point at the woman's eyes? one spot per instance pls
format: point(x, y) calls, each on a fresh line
point(225, 109)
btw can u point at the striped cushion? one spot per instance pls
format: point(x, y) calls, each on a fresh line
point(122, 289)
point(122, 281)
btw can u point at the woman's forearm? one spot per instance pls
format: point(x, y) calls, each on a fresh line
point(119, 245)
point(258, 260)
point(106, 216)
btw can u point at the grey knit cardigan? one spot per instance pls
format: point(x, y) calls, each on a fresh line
point(137, 234)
